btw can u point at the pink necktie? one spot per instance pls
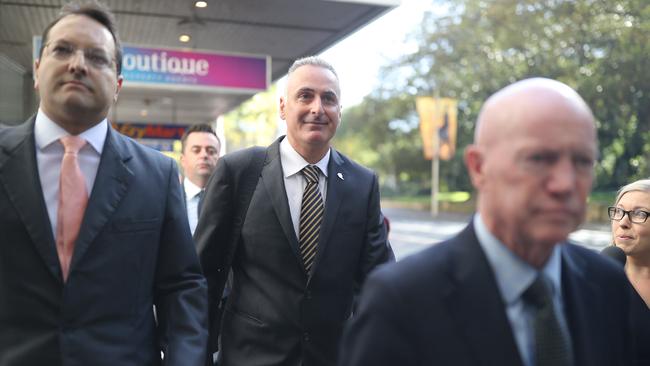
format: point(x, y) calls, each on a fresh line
point(72, 201)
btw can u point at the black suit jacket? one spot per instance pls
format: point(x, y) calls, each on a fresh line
point(276, 313)
point(443, 307)
point(134, 250)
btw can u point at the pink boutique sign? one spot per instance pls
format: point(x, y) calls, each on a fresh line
point(190, 70)
point(144, 66)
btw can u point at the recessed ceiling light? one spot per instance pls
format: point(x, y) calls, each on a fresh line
point(201, 4)
point(184, 38)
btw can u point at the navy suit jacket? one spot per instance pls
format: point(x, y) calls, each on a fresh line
point(134, 250)
point(277, 313)
point(443, 307)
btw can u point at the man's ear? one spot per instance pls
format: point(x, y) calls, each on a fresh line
point(120, 79)
point(474, 162)
point(282, 106)
point(37, 63)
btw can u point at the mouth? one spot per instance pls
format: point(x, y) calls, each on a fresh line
point(315, 121)
point(560, 213)
point(76, 83)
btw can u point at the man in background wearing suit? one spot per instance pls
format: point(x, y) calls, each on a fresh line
point(94, 233)
point(312, 232)
point(507, 290)
point(199, 157)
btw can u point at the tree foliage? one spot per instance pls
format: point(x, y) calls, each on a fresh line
point(599, 47)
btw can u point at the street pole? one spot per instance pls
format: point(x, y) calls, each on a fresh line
point(435, 163)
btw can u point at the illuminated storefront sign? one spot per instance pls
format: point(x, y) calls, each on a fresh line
point(190, 69)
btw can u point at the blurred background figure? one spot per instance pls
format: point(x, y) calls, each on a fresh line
point(199, 157)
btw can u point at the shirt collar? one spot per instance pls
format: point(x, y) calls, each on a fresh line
point(46, 131)
point(191, 189)
point(514, 275)
point(293, 163)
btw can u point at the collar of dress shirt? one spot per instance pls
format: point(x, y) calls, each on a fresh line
point(47, 131)
point(293, 163)
point(513, 275)
point(191, 189)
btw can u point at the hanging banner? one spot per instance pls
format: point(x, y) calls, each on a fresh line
point(438, 126)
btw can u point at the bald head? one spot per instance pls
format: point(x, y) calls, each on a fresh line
point(532, 165)
point(516, 103)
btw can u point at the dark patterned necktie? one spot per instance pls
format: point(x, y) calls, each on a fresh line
point(552, 344)
point(199, 207)
point(311, 216)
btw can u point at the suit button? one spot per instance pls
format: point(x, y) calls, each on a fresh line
point(305, 337)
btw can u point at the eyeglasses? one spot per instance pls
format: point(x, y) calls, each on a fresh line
point(96, 57)
point(636, 216)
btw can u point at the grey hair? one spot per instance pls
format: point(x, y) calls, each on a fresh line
point(642, 185)
point(313, 61)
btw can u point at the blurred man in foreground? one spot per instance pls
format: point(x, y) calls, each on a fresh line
point(509, 289)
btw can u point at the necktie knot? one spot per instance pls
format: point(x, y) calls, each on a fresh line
point(72, 144)
point(311, 173)
point(538, 293)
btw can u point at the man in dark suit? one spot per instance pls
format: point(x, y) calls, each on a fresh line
point(78, 283)
point(199, 156)
point(509, 289)
point(312, 233)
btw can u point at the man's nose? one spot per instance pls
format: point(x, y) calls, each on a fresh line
point(317, 106)
point(563, 176)
point(77, 62)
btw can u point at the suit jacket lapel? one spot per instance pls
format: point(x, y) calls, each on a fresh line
point(111, 184)
point(582, 299)
point(273, 180)
point(19, 177)
point(336, 189)
point(476, 305)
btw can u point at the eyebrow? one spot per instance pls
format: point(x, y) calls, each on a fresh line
point(634, 208)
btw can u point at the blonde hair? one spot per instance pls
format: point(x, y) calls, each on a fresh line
point(642, 185)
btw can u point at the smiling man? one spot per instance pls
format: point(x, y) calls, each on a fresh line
point(94, 233)
point(311, 234)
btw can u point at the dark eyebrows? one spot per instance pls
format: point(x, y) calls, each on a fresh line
point(305, 90)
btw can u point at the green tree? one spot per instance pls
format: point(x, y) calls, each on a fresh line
point(599, 47)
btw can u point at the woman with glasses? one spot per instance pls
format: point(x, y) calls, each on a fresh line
point(631, 233)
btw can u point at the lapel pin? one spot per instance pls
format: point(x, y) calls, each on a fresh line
point(340, 175)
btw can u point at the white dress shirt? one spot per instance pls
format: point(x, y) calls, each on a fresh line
point(513, 277)
point(49, 153)
point(192, 203)
point(295, 182)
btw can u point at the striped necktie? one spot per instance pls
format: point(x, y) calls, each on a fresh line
point(311, 216)
point(552, 343)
